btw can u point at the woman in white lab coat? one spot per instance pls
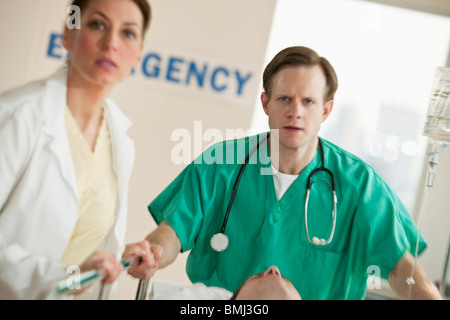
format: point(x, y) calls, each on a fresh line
point(65, 158)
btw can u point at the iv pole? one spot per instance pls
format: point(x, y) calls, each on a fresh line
point(437, 127)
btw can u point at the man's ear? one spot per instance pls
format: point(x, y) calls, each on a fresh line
point(327, 109)
point(265, 101)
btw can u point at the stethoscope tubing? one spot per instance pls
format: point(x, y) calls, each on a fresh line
point(315, 241)
point(236, 184)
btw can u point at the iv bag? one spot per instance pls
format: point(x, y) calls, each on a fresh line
point(437, 125)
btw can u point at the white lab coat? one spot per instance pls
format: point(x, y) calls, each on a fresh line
point(39, 202)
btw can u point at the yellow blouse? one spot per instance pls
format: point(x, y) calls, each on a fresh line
point(97, 191)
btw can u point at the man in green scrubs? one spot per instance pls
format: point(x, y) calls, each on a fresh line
point(370, 231)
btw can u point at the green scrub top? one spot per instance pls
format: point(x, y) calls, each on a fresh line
point(373, 228)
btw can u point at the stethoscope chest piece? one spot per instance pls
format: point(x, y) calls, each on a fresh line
point(219, 242)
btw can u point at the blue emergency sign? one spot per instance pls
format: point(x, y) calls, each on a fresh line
point(177, 69)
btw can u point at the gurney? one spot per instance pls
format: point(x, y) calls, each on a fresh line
point(141, 293)
point(160, 289)
point(68, 286)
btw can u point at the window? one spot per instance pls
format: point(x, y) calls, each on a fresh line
point(385, 58)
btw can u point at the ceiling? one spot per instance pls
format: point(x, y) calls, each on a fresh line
point(440, 7)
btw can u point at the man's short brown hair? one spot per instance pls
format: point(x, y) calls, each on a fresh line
point(300, 56)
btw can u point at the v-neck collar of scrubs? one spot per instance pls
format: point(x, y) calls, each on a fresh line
point(282, 181)
point(296, 187)
point(81, 140)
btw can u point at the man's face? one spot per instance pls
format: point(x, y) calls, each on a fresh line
point(296, 105)
point(268, 285)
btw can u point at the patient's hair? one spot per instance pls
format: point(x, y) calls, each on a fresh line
point(236, 292)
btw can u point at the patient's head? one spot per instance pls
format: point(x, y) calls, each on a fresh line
point(267, 285)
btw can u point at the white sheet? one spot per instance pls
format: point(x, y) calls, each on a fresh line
point(166, 290)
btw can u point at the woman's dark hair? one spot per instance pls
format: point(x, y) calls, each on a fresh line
point(143, 6)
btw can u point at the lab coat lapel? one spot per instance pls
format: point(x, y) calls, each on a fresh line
point(123, 156)
point(122, 145)
point(54, 108)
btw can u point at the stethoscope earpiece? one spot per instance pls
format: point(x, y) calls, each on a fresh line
point(319, 242)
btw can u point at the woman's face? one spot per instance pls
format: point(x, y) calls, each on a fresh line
point(109, 43)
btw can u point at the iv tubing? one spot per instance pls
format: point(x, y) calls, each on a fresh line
point(433, 162)
point(410, 279)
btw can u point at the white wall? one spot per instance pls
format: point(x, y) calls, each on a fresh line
point(17, 21)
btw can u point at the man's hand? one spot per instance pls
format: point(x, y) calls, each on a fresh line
point(145, 258)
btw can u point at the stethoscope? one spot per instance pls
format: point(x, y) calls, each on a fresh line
point(219, 242)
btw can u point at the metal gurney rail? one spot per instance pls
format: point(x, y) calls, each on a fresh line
point(142, 289)
point(68, 285)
